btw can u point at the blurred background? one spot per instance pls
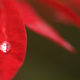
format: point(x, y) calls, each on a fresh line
point(44, 59)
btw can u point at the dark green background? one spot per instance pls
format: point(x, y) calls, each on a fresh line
point(48, 61)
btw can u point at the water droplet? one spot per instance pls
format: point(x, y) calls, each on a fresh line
point(5, 46)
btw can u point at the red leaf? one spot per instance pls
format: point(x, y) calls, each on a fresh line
point(36, 24)
point(62, 8)
point(11, 61)
point(74, 4)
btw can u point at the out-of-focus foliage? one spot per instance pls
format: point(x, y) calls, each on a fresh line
point(47, 61)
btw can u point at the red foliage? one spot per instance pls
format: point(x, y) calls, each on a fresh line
point(11, 61)
point(68, 12)
point(36, 24)
point(12, 17)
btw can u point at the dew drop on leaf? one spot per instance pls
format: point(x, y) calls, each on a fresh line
point(5, 46)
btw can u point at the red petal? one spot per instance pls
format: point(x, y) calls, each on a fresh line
point(16, 35)
point(36, 24)
point(63, 8)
